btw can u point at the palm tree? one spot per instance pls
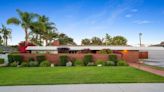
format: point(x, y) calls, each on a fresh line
point(44, 29)
point(6, 34)
point(25, 20)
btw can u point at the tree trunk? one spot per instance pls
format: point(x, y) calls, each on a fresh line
point(26, 36)
point(6, 41)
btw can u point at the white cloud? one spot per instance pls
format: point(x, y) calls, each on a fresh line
point(128, 15)
point(142, 22)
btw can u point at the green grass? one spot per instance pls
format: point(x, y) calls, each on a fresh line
point(73, 75)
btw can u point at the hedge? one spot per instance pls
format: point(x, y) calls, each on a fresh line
point(87, 59)
point(113, 58)
point(2, 61)
point(63, 60)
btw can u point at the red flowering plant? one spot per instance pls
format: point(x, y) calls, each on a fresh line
point(23, 45)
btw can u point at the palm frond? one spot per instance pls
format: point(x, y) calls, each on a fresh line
point(13, 20)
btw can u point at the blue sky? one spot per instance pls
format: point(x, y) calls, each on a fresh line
point(87, 18)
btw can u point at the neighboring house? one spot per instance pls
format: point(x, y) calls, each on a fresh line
point(4, 49)
point(158, 45)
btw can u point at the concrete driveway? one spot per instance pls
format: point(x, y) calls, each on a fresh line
point(130, 87)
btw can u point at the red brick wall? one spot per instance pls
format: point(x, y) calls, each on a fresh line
point(129, 56)
point(143, 55)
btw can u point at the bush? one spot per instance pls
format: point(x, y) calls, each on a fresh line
point(40, 58)
point(10, 58)
point(31, 59)
point(2, 61)
point(45, 64)
point(24, 64)
point(15, 57)
point(13, 64)
point(87, 59)
point(122, 63)
point(78, 63)
point(109, 63)
point(100, 62)
point(63, 60)
point(113, 58)
point(33, 63)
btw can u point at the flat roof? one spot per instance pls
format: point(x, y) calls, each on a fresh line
point(53, 48)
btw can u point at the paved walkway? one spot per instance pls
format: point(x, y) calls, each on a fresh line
point(147, 68)
point(133, 87)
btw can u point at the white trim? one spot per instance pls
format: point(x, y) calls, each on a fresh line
point(54, 48)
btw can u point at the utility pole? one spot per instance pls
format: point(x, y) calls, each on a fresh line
point(140, 34)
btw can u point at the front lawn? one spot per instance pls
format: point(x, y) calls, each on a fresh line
point(71, 75)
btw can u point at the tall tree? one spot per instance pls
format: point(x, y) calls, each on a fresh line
point(44, 30)
point(65, 40)
point(6, 34)
point(85, 41)
point(96, 41)
point(119, 40)
point(108, 39)
point(25, 20)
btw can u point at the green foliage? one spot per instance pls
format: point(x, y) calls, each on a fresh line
point(105, 51)
point(78, 63)
point(15, 57)
point(100, 62)
point(87, 59)
point(122, 63)
point(63, 60)
point(113, 57)
point(2, 61)
point(24, 64)
point(13, 64)
point(96, 41)
point(109, 63)
point(119, 40)
point(40, 58)
point(45, 64)
point(33, 63)
point(85, 41)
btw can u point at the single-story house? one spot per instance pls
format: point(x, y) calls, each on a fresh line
point(130, 54)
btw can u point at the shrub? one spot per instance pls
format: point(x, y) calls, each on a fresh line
point(78, 63)
point(33, 63)
point(31, 59)
point(105, 51)
point(87, 59)
point(10, 58)
point(45, 64)
point(13, 64)
point(100, 62)
point(15, 57)
point(40, 58)
point(113, 58)
point(24, 64)
point(63, 60)
point(109, 63)
point(2, 61)
point(122, 63)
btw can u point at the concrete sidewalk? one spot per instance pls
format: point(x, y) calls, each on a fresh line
point(131, 87)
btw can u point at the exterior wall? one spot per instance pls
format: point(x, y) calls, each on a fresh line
point(156, 54)
point(129, 56)
point(143, 55)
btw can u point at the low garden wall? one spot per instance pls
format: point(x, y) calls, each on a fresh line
point(54, 58)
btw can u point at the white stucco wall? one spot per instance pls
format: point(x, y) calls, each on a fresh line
point(4, 56)
point(156, 54)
